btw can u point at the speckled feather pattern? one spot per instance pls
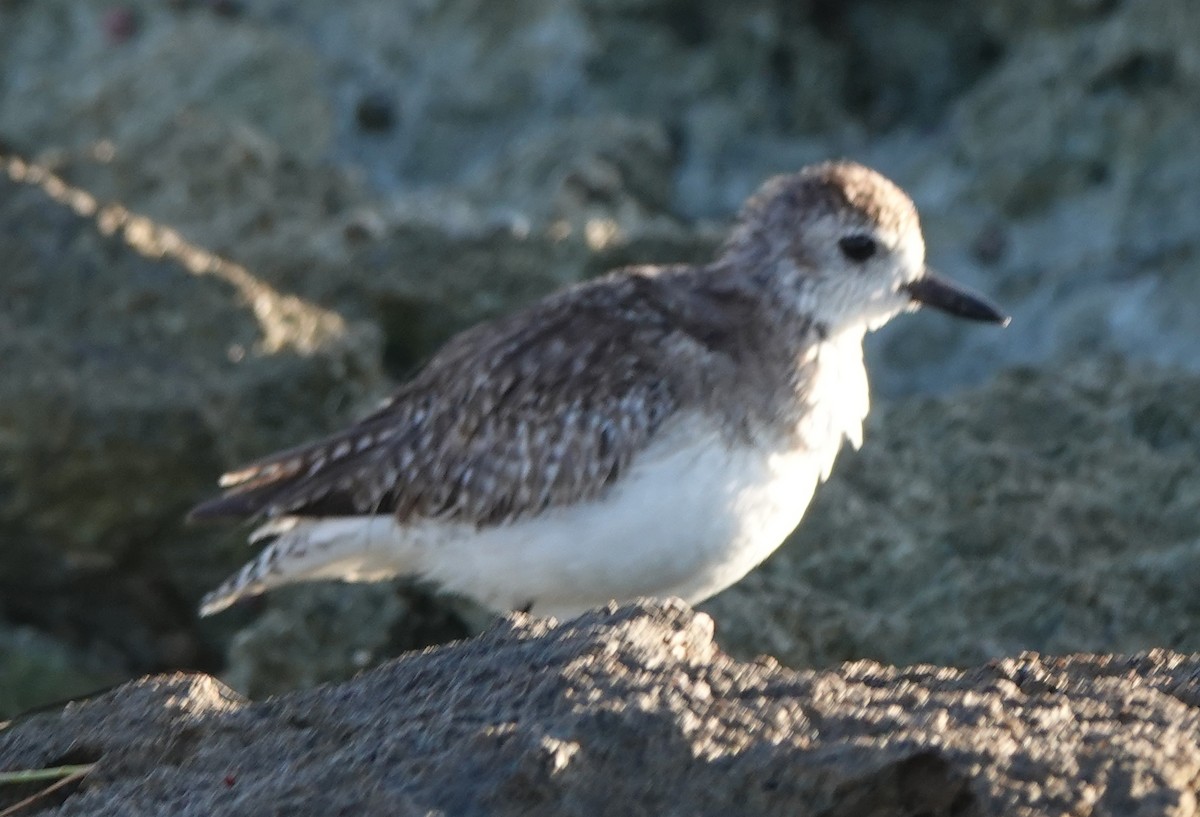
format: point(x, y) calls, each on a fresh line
point(538, 460)
point(543, 408)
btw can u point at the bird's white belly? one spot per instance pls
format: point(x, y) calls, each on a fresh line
point(691, 517)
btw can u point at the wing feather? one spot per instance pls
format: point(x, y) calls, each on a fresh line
point(542, 408)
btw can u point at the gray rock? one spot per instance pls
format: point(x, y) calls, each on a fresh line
point(69, 88)
point(136, 367)
point(635, 711)
point(327, 631)
point(1059, 134)
point(1075, 160)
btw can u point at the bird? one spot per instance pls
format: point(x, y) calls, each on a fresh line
point(654, 432)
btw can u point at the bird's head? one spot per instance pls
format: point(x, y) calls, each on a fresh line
point(842, 244)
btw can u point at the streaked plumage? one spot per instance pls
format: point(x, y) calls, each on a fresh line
point(536, 460)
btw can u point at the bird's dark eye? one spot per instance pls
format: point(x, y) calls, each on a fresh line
point(858, 247)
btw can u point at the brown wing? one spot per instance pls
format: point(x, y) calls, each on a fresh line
point(545, 407)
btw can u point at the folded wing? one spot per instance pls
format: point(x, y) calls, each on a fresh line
point(543, 408)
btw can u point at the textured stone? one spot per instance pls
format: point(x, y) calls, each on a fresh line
point(635, 711)
point(136, 367)
point(1080, 148)
point(314, 633)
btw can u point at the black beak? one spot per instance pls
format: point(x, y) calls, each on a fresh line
point(933, 290)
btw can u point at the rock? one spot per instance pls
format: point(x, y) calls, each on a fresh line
point(634, 710)
point(1052, 510)
point(1068, 122)
point(138, 366)
point(1091, 106)
point(1082, 140)
point(72, 91)
point(326, 631)
point(583, 200)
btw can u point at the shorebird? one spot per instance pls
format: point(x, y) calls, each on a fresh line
point(658, 431)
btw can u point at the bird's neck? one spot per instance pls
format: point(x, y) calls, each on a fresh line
point(841, 393)
point(794, 378)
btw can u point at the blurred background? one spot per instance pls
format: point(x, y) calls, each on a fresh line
point(229, 226)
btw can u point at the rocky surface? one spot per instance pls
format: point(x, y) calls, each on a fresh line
point(438, 163)
point(636, 711)
point(136, 364)
point(233, 224)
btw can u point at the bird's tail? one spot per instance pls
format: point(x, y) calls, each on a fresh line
point(351, 548)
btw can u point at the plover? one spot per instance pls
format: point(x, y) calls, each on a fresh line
point(658, 431)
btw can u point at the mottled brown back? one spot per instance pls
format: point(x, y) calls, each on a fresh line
point(541, 408)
